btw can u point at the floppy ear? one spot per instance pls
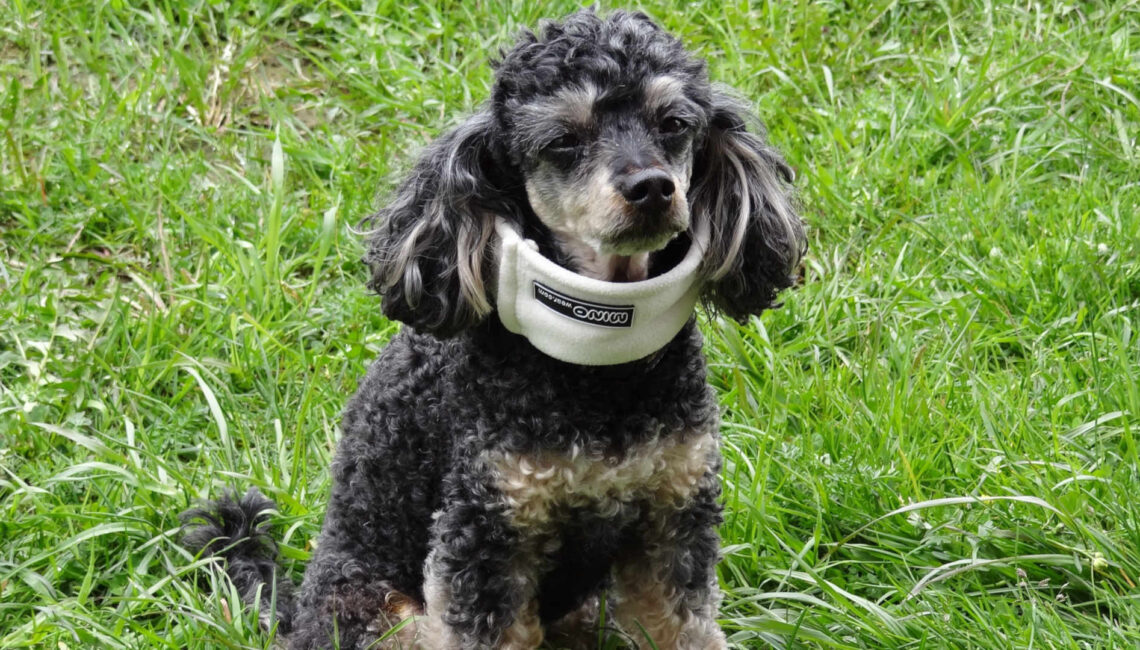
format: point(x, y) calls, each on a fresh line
point(742, 187)
point(429, 249)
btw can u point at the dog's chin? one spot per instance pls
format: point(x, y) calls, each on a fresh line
point(621, 254)
point(637, 241)
point(628, 259)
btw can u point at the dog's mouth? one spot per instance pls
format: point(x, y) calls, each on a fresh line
point(630, 250)
point(638, 241)
point(630, 255)
point(638, 260)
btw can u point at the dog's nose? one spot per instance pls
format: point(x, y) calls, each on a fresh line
point(649, 189)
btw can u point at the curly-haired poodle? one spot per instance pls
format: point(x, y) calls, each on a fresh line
point(505, 474)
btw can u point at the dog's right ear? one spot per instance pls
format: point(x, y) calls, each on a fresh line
point(429, 249)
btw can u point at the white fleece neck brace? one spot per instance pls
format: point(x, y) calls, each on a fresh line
point(586, 321)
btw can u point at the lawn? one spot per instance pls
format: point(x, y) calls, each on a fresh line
point(931, 445)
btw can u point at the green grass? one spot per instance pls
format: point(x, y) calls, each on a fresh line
point(933, 444)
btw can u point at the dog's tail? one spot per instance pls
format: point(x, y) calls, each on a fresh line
point(235, 530)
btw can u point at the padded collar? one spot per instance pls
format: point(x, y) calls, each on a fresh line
point(586, 321)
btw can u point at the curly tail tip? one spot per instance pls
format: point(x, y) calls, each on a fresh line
point(235, 530)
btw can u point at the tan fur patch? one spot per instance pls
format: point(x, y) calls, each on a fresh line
point(665, 470)
point(431, 633)
point(525, 633)
point(663, 91)
point(573, 104)
point(397, 608)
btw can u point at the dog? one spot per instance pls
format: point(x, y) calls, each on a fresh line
point(487, 494)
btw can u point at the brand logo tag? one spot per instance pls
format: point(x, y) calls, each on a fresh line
point(580, 310)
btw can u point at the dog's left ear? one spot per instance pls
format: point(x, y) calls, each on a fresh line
point(743, 188)
point(429, 249)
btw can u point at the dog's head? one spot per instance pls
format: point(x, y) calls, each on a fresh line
point(603, 141)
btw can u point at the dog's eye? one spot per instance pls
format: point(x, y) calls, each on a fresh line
point(673, 125)
point(564, 142)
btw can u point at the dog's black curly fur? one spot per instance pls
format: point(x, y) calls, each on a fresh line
point(424, 518)
point(234, 529)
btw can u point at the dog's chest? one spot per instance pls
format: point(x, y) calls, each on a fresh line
point(664, 471)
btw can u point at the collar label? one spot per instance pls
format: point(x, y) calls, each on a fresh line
point(619, 316)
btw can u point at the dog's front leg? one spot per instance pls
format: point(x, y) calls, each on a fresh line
point(669, 591)
point(480, 580)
